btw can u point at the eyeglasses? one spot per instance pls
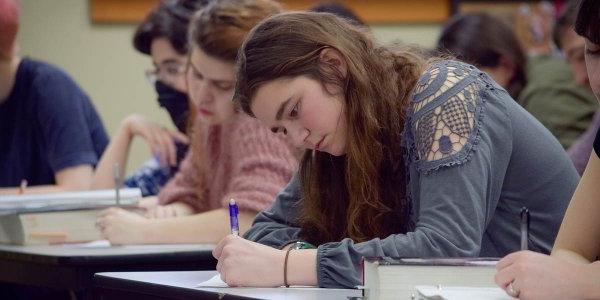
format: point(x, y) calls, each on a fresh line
point(168, 73)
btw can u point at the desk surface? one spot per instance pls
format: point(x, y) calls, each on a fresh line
point(182, 284)
point(72, 267)
point(86, 254)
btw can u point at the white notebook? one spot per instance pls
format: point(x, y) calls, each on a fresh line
point(67, 200)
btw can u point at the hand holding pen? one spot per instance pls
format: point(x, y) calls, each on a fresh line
point(233, 217)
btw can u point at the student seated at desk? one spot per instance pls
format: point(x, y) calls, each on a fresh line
point(162, 36)
point(232, 156)
point(542, 84)
point(50, 133)
point(406, 157)
point(572, 272)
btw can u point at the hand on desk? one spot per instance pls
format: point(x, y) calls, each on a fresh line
point(121, 227)
point(246, 263)
point(538, 276)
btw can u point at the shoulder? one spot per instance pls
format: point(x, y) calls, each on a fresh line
point(443, 79)
point(45, 75)
point(445, 113)
point(52, 89)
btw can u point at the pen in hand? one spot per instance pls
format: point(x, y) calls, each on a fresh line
point(117, 175)
point(524, 228)
point(233, 217)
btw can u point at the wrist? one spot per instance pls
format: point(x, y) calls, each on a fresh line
point(302, 267)
point(286, 281)
point(126, 127)
point(149, 231)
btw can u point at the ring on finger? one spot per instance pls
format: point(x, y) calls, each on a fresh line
point(512, 290)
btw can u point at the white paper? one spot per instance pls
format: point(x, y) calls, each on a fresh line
point(215, 281)
point(94, 244)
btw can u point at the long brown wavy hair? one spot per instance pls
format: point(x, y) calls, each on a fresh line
point(219, 30)
point(361, 195)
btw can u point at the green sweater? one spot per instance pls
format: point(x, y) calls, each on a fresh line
point(552, 97)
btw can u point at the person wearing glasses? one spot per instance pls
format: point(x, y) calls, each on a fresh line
point(162, 36)
point(232, 156)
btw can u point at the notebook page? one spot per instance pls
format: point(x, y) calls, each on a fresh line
point(215, 281)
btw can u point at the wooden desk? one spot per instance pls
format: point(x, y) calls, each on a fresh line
point(72, 267)
point(182, 285)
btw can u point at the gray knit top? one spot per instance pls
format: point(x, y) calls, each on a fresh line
point(474, 159)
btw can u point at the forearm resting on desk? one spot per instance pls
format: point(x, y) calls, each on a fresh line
point(207, 227)
point(246, 263)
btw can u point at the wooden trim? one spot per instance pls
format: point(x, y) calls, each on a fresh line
point(386, 11)
point(120, 11)
point(371, 11)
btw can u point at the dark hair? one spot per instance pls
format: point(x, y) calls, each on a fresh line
point(361, 195)
point(565, 21)
point(587, 23)
point(220, 28)
point(168, 20)
point(339, 10)
point(481, 39)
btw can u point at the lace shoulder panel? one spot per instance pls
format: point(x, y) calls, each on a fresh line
point(444, 114)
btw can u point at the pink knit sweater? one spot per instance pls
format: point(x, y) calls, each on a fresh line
point(246, 160)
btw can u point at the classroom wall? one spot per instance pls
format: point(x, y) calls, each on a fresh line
point(101, 59)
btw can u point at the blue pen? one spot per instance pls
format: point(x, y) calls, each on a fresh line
point(524, 228)
point(233, 217)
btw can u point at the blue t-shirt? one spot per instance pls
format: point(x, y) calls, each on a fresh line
point(47, 124)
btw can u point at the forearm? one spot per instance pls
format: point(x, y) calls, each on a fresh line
point(579, 231)
point(208, 227)
point(116, 152)
point(570, 256)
